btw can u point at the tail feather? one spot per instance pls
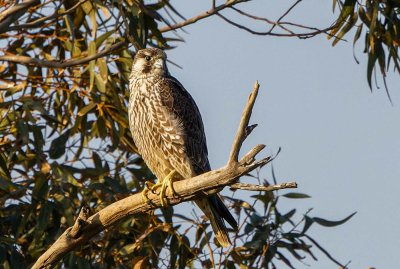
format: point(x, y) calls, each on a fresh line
point(216, 211)
point(222, 210)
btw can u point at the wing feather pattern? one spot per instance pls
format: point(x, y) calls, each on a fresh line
point(181, 107)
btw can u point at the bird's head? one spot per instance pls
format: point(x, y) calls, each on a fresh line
point(150, 62)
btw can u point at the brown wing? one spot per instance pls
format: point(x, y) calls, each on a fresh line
point(186, 115)
point(183, 110)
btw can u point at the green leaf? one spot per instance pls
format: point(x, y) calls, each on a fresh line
point(356, 37)
point(99, 40)
point(206, 239)
point(101, 85)
point(91, 51)
point(372, 57)
point(347, 27)
point(256, 220)
point(97, 161)
point(44, 216)
point(329, 223)
point(284, 218)
point(248, 228)
point(102, 65)
point(86, 109)
point(57, 147)
point(347, 10)
point(115, 185)
point(7, 185)
point(307, 224)
point(3, 167)
point(296, 195)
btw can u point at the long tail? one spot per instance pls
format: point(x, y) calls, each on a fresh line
point(216, 211)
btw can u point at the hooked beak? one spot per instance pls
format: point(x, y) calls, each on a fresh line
point(159, 64)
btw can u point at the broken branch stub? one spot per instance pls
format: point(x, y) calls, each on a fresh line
point(86, 227)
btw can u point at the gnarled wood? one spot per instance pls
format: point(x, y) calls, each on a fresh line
point(189, 189)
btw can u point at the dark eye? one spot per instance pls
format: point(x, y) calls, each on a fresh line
point(148, 58)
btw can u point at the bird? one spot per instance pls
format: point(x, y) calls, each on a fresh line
point(168, 131)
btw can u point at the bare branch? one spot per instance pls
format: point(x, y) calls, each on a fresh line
point(201, 16)
point(253, 187)
point(17, 9)
point(10, 15)
point(57, 64)
point(244, 122)
point(39, 22)
point(286, 13)
point(193, 188)
point(5, 15)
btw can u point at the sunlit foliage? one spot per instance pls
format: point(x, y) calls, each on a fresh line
point(65, 141)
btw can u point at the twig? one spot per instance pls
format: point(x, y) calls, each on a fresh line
point(189, 189)
point(201, 16)
point(39, 22)
point(253, 187)
point(243, 125)
point(286, 13)
point(58, 64)
point(11, 14)
point(17, 8)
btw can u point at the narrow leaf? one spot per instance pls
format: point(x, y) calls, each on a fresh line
point(296, 195)
point(329, 223)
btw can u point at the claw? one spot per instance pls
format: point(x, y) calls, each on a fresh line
point(167, 182)
point(148, 187)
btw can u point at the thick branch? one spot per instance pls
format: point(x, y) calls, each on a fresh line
point(186, 190)
point(194, 188)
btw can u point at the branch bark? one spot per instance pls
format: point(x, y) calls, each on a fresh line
point(252, 187)
point(189, 189)
point(57, 64)
point(11, 14)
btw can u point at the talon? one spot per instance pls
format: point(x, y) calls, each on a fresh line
point(167, 182)
point(148, 187)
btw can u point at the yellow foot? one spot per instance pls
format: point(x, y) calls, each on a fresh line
point(148, 186)
point(167, 182)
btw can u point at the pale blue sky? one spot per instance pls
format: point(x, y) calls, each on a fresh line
point(339, 141)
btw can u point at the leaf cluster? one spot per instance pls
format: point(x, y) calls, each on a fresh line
point(379, 20)
point(65, 142)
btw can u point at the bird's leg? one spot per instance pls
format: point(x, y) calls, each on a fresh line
point(167, 182)
point(148, 186)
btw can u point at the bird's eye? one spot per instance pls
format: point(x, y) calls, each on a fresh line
point(148, 58)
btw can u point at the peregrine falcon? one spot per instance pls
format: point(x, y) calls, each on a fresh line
point(168, 131)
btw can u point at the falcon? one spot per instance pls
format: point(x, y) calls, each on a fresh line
point(168, 131)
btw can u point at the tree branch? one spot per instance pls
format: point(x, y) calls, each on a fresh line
point(39, 22)
point(72, 62)
point(11, 14)
point(252, 187)
point(243, 126)
point(193, 188)
point(57, 64)
point(201, 16)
